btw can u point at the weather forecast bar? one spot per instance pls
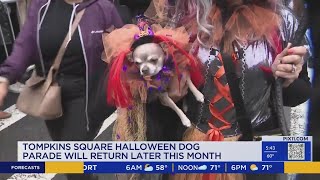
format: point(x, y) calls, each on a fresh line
point(127, 167)
point(185, 167)
point(159, 167)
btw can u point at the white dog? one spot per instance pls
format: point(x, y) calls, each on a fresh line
point(150, 59)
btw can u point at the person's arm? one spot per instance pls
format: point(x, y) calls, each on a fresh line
point(111, 15)
point(116, 18)
point(24, 51)
point(300, 89)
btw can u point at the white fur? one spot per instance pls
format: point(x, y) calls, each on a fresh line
point(151, 57)
point(144, 56)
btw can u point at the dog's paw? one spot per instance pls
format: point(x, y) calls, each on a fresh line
point(186, 122)
point(200, 97)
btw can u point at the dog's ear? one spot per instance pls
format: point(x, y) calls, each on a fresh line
point(164, 48)
point(130, 57)
point(162, 45)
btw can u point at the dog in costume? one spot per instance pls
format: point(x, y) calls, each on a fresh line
point(144, 59)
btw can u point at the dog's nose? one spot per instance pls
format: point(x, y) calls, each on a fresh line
point(145, 70)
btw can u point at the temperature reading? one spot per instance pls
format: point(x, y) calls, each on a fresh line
point(161, 167)
point(215, 167)
point(266, 167)
point(269, 156)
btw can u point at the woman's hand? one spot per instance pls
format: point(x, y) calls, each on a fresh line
point(3, 91)
point(288, 64)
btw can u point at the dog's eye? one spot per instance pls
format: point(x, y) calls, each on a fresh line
point(153, 60)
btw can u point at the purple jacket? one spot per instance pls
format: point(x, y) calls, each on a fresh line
point(98, 17)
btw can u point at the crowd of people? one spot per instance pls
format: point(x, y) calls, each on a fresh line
point(250, 62)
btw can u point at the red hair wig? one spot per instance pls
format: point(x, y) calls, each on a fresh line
point(118, 91)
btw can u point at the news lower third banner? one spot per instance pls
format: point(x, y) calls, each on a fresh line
point(160, 167)
point(274, 154)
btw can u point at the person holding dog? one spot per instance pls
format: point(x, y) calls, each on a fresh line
point(244, 46)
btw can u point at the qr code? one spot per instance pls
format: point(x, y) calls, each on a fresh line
point(296, 151)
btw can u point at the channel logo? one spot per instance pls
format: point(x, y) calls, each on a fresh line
point(148, 168)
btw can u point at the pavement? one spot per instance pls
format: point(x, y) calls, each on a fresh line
point(24, 128)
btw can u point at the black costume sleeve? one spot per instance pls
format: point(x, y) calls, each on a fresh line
point(299, 91)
